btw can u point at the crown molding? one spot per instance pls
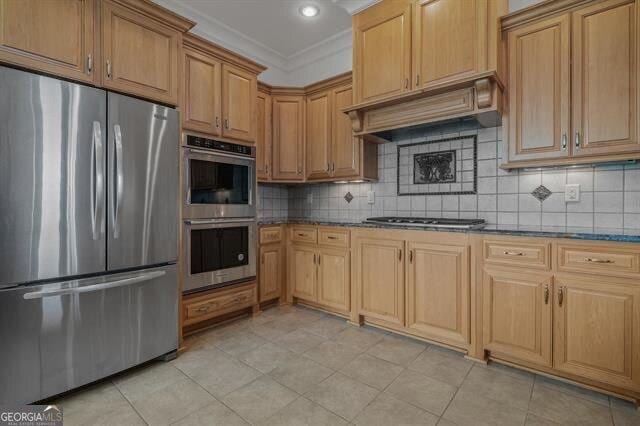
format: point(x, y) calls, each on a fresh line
point(355, 6)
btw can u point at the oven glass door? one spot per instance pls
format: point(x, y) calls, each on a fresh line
point(218, 185)
point(218, 252)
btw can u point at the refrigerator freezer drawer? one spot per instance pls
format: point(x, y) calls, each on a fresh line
point(59, 336)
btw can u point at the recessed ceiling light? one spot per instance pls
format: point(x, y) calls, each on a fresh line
point(309, 11)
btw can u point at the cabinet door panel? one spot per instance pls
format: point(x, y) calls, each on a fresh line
point(53, 36)
point(381, 279)
point(382, 50)
point(333, 279)
point(517, 314)
point(263, 136)
point(303, 273)
point(596, 331)
point(271, 259)
point(239, 91)
point(605, 78)
point(318, 138)
point(288, 138)
point(346, 148)
point(201, 110)
point(448, 35)
point(438, 292)
point(539, 87)
point(140, 55)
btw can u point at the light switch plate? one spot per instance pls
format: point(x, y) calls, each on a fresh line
point(371, 197)
point(572, 193)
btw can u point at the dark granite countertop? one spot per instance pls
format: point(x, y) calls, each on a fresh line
point(578, 233)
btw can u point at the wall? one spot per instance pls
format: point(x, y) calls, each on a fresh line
point(273, 201)
point(610, 194)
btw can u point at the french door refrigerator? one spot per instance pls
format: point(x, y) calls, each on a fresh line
point(88, 234)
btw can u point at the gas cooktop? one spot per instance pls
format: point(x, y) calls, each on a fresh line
point(428, 222)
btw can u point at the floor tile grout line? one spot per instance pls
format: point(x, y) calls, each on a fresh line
point(456, 392)
point(129, 402)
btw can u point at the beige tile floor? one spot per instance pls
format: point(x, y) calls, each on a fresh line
point(296, 366)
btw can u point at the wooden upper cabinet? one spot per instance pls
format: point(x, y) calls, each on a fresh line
point(438, 286)
point(380, 279)
point(382, 50)
point(239, 91)
point(605, 78)
point(334, 279)
point(140, 55)
point(56, 37)
point(539, 90)
point(202, 100)
point(263, 136)
point(318, 141)
point(450, 38)
point(596, 334)
point(345, 148)
point(288, 138)
point(270, 277)
point(517, 315)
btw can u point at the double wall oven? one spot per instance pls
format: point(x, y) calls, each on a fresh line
point(219, 213)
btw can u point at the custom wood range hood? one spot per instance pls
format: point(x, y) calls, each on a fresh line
point(423, 62)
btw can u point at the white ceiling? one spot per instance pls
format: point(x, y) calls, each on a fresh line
point(276, 24)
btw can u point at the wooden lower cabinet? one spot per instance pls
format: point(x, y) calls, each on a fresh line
point(517, 314)
point(303, 274)
point(597, 329)
point(380, 279)
point(437, 295)
point(200, 307)
point(334, 278)
point(270, 277)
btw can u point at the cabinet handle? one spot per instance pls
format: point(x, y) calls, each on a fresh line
point(400, 255)
point(108, 69)
point(546, 294)
point(596, 260)
point(300, 234)
point(299, 169)
point(406, 83)
point(331, 237)
point(560, 295)
point(319, 257)
point(417, 80)
point(577, 140)
point(513, 253)
point(314, 258)
point(564, 141)
point(328, 167)
point(89, 64)
point(262, 259)
point(333, 167)
point(410, 256)
point(204, 308)
point(217, 121)
point(266, 168)
point(226, 123)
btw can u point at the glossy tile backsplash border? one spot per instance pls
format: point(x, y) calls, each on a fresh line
point(610, 194)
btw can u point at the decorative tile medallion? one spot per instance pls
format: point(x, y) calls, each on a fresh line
point(438, 167)
point(348, 197)
point(541, 193)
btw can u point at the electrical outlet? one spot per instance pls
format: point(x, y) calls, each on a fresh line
point(371, 197)
point(572, 193)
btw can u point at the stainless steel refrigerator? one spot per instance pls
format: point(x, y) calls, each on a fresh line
point(88, 234)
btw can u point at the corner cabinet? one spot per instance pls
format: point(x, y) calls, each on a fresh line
point(318, 141)
point(573, 84)
point(140, 55)
point(57, 37)
point(382, 50)
point(288, 137)
point(263, 136)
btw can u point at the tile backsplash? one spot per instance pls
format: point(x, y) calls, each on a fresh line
point(609, 194)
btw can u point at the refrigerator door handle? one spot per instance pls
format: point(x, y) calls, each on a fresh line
point(94, 287)
point(97, 184)
point(119, 179)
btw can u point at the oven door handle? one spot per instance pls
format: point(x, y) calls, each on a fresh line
point(221, 154)
point(218, 221)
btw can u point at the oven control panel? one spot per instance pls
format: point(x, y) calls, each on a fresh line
point(216, 145)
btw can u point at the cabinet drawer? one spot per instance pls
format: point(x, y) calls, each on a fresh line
point(604, 259)
point(333, 237)
point(304, 234)
point(517, 253)
point(271, 234)
point(201, 308)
